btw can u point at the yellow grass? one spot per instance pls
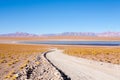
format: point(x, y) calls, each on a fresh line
point(14, 57)
point(104, 54)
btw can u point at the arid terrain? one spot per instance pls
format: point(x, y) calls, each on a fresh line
point(103, 54)
point(46, 38)
point(14, 57)
point(59, 40)
point(17, 59)
point(83, 69)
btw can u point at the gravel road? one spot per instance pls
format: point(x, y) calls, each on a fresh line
point(39, 69)
point(83, 69)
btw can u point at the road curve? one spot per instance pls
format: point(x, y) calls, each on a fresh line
point(83, 69)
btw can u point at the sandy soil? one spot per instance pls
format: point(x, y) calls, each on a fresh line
point(83, 69)
point(71, 38)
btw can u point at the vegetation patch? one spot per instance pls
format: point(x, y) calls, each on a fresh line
point(14, 57)
point(104, 54)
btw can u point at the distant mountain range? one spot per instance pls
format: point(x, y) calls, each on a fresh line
point(109, 34)
point(19, 34)
point(104, 34)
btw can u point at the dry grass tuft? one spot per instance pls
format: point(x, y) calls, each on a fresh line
point(104, 54)
point(14, 57)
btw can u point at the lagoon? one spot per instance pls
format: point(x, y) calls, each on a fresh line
point(95, 43)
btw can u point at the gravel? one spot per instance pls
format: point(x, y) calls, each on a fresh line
point(39, 69)
point(83, 69)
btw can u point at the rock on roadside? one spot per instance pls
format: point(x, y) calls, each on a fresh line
point(39, 69)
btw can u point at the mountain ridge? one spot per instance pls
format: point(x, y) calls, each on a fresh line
point(103, 34)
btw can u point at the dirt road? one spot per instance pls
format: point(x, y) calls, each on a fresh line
point(83, 69)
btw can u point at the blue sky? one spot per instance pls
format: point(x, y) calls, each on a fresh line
point(56, 16)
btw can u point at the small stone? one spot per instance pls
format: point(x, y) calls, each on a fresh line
point(56, 73)
point(16, 75)
point(37, 62)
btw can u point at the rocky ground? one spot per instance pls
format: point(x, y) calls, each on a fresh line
point(39, 69)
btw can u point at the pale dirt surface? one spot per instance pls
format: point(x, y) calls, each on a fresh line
point(39, 69)
point(83, 69)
